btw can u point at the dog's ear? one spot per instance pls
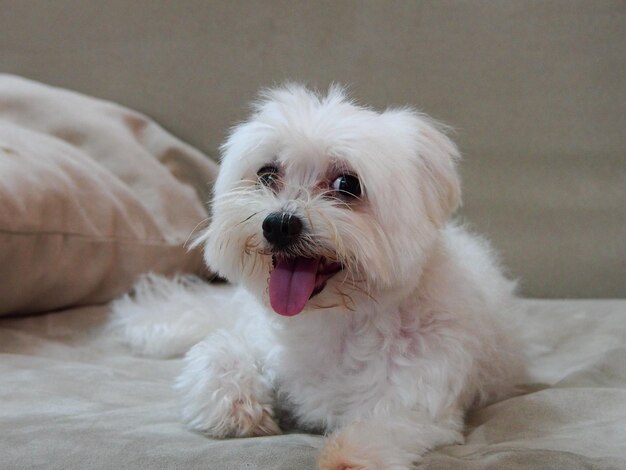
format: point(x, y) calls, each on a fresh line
point(436, 156)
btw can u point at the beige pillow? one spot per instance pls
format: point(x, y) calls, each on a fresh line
point(91, 196)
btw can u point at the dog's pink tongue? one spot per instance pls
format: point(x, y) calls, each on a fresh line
point(292, 282)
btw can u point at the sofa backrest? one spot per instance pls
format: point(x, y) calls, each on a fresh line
point(535, 90)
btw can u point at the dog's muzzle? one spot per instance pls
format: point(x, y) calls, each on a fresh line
point(281, 229)
point(293, 278)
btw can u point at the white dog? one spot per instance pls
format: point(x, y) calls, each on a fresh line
point(362, 311)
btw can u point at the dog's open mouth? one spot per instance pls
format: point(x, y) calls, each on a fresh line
point(294, 280)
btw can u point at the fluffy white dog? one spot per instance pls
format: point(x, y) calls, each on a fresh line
point(361, 310)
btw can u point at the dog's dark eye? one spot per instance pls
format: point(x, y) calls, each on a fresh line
point(268, 175)
point(347, 186)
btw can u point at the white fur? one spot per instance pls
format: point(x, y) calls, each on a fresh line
point(399, 344)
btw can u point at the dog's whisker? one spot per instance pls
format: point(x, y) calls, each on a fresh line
point(203, 221)
point(246, 219)
point(200, 238)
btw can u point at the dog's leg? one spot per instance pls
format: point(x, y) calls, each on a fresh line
point(395, 441)
point(224, 391)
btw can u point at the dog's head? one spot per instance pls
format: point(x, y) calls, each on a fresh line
point(322, 203)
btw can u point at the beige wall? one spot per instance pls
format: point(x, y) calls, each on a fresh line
point(535, 89)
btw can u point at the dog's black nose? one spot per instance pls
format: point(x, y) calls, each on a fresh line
point(281, 229)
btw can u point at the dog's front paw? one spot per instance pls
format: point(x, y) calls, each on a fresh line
point(340, 454)
point(225, 417)
point(393, 441)
point(223, 392)
point(347, 450)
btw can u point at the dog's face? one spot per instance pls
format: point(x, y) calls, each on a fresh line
point(321, 203)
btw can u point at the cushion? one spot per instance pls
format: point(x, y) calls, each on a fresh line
point(91, 195)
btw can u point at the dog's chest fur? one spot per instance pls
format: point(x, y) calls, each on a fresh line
point(356, 362)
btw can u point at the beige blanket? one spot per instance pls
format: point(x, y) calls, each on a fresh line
point(72, 398)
